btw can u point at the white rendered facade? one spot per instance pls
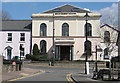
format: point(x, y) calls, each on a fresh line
point(113, 39)
point(14, 45)
point(75, 41)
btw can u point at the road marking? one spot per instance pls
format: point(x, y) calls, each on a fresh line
point(24, 74)
point(42, 71)
point(68, 77)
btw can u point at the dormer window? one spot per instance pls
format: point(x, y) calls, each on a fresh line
point(56, 10)
point(75, 9)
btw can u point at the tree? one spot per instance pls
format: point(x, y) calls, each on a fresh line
point(35, 50)
point(5, 15)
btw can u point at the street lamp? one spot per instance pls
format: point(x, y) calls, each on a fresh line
point(86, 61)
point(20, 63)
point(53, 57)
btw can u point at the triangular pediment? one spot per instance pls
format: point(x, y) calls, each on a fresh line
point(67, 8)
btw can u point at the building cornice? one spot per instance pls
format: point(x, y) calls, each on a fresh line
point(64, 37)
point(64, 14)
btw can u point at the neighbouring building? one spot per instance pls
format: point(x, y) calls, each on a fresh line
point(69, 25)
point(14, 34)
point(109, 37)
point(69, 32)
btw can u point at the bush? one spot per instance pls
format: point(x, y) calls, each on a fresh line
point(39, 57)
point(28, 56)
point(35, 50)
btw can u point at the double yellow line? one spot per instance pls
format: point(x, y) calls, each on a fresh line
point(68, 77)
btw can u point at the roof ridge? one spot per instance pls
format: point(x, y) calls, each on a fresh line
point(65, 5)
point(109, 26)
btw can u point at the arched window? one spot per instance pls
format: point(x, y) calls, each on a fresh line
point(106, 56)
point(106, 36)
point(87, 47)
point(65, 29)
point(89, 29)
point(43, 29)
point(43, 46)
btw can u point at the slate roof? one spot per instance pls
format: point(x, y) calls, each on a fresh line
point(109, 27)
point(67, 8)
point(15, 25)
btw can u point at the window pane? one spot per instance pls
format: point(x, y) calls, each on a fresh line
point(22, 36)
point(89, 29)
point(107, 36)
point(43, 46)
point(43, 29)
point(9, 36)
point(22, 50)
point(87, 47)
point(106, 56)
point(65, 29)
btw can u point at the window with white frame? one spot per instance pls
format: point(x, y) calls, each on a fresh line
point(22, 36)
point(88, 32)
point(65, 29)
point(43, 29)
point(9, 37)
point(22, 50)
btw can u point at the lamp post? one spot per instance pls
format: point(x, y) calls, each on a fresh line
point(86, 61)
point(96, 69)
point(20, 63)
point(53, 57)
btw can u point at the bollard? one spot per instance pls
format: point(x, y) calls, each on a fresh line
point(50, 63)
point(17, 67)
point(87, 66)
point(13, 66)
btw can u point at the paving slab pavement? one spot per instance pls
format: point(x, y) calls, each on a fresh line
point(16, 74)
point(84, 78)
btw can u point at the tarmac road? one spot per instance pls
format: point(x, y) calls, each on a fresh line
point(50, 74)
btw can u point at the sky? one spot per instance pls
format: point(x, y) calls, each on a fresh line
point(60, 0)
point(24, 10)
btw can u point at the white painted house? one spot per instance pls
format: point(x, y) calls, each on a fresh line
point(15, 35)
point(109, 37)
point(69, 30)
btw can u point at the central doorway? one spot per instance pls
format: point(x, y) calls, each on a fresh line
point(65, 53)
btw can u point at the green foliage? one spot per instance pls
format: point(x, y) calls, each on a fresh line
point(40, 57)
point(28, 56)
point(35, 50)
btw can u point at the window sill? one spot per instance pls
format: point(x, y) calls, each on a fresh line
point(9, 42)
point(21, 41)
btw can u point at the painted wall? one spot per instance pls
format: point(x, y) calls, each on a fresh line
point(15, 43)
point(113, 39)
point(76, 31)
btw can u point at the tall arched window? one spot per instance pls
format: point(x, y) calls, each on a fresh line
point(106, 36)
point(43, 29)
point(87, 47)
point(65, 29)
point(43, 46)
point(89, 29)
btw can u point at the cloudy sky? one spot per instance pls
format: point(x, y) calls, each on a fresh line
point(24, 10)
